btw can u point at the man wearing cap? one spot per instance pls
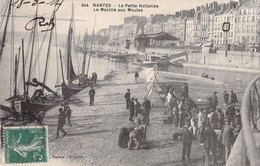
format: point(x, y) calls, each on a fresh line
point(225, 97)
point(209, 139)
point(131, 109)
point(214, 99)
point(233, 98)
point(69, 115)
point(227, 139)
point(147, 108)
point(186, 141)
point(91, 95)
point(127, 98)
point(61, 122)
point(137, 107)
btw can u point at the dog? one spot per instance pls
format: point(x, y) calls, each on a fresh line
point(137, 136)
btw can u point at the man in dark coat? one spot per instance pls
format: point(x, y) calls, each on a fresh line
point(230, 113)
point(131, 109)
point(127, 98)
point(233, 98)
point(186, 141)
point(147, 108)
point(209, 139)
point(137, 107)
point(136, 76)
point(185, 90)
point(214, 99)
point(95, 77)
point(225, 97)
point(91, 95)
point(61, 122)
point(227, 139)
point(69, 115)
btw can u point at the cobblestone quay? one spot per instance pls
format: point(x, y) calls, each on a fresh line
point(93, 137)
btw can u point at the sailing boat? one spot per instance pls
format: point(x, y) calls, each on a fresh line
point(75, 83)
point(39, 101)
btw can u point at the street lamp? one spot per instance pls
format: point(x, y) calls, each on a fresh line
point(226, 29)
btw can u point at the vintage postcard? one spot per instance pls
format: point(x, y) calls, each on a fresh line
point(130, 82)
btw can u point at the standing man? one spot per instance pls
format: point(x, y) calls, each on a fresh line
point(61, 122)
point(147, 108)
point(227, 139)
point(226, 97)
point(92, 78)
point(185, 90)
point(233, 98)
point(91, 95)
point(137, 107)
point(127, 98)
point(95, 77)
point(136, 76)
point(214, 99)
point(209, 139)
point(230, 113)
point(131, 109)
point(69, 115)
point(186, 141)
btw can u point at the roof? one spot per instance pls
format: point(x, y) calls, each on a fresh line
point(158, 36)
point(207, 44)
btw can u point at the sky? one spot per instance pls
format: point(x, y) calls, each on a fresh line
point(86, 15)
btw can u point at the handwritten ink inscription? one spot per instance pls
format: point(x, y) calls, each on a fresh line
point(19, 3)
point(41, 22)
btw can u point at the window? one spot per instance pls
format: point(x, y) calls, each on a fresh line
point(244, 19)
point(243, 29)
point(231, 34)
point(248, 18)
point(240, 12)
point(253, 28)
point(239, 18)
point(248, 28)
point(253, 19)
point(248, 39)
point(249, 11)
point(244, 12)
point(239, 29)
point(252, 39)
point(220, 34)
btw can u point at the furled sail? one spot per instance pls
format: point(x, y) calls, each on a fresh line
point(71, 75)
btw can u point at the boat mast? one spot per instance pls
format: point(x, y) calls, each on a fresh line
point(61, 67)
point(24, 87)
point(5, 29)
point(32, 52)
point(48, 54)
point(92, 38)
point(85, 53)
point(16, 67)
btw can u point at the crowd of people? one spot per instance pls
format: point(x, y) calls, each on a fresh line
point(216, 129)
point(138, 114)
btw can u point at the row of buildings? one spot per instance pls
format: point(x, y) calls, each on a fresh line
point(195, 26)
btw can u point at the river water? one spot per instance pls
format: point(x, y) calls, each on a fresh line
point(237, 81)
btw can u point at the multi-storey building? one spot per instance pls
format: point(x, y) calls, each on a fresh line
point(247, 23)
point(220, 37)
point(197, 27)
point(204, 26)
point(189, 31)
point(210, 30)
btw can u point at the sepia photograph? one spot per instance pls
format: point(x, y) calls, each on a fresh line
point(130, 82)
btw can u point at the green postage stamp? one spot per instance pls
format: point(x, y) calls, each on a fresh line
point(25, 144)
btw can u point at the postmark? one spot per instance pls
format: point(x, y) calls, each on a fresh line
point(26, 144)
